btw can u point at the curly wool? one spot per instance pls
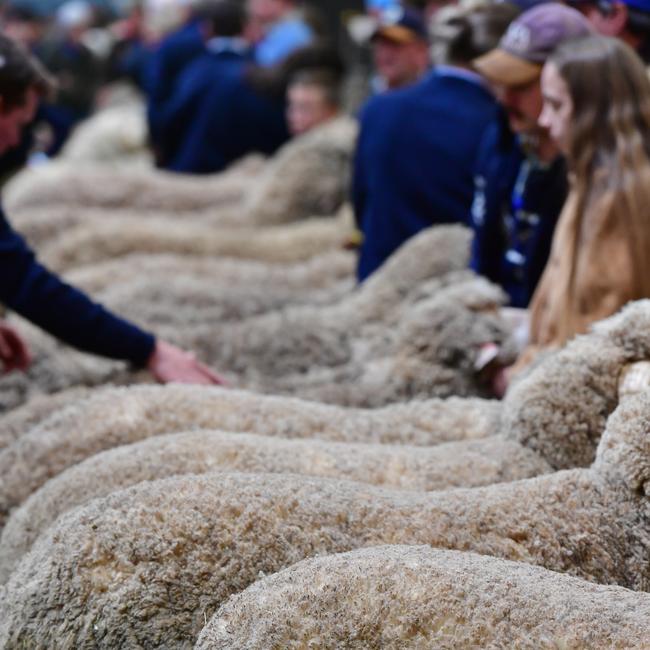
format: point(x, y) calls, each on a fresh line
point(405, 467)
point(116, 135)
point(308, 177)
point(95, 424)
point(99, 241)
point(569, 439)
point(148, 564)
point(20, 420)
point(298, 339)
point(418, 597)
point(96, 185)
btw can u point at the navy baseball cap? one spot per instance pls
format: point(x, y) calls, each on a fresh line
point(401, 25)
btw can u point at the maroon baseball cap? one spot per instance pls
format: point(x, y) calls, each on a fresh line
point(529, 41)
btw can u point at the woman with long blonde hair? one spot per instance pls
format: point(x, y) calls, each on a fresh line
point(597, 108)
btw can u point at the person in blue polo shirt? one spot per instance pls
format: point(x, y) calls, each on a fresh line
point(38, 295)
point(278, 28)
point(417, 147)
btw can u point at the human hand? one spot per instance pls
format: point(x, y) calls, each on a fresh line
point(171, 364)
point(14, 353)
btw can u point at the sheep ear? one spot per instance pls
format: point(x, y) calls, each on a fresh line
point(634, 379)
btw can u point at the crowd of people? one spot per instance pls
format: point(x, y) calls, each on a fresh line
point(527, 121)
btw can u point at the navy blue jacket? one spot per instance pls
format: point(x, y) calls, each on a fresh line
point(66, 313)
point(517, 203)
point(215, 117)
point(163, 68)
point(415, 160)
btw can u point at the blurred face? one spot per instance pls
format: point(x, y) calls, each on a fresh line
point(557, 113)
point(27, 33)
point(13, 120)
point(307, 108)
point(523, 105)
point(262, 14)
point(400, 63)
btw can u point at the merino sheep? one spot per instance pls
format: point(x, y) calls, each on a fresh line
point(183, 299)
point(56, 368)
point(149, 564)
point(64, 183)
point(98, 241)
point(559, 411)
point(297, 339)
point(323, 272)
point(418, 597)
point(308, 176)
point(95, 424)
point(405, 467)
point(342, 353)
point(17, 421)
point(116, 135)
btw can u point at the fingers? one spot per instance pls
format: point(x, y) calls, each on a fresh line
point(14, 353)
point(214, 377)
point(20, 352)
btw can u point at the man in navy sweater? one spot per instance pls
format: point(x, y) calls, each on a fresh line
point(164, 65)
point(41, 297)
point(415, 156)
point(214, 116)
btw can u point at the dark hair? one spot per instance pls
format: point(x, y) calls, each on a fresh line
point(20, 71)
point(223, 17)
point(273, 81)
point(20, 14)
point(324, 79)
point(464, 34)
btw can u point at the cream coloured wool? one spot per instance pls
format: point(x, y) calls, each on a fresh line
point(151, 563)
point(416, 597)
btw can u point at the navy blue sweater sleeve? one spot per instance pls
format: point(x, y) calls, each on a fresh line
point(42, 298)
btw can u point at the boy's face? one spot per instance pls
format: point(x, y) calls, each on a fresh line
point(13, 119)
point(307, 108)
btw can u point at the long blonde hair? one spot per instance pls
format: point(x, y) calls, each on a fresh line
point(609, 146)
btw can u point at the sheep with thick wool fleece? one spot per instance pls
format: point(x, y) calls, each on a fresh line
point(98, 241)
point(541, 414)
point(405, 467)
point(115, 135)
point(148, 565)
point(319, 273)
point(96, 185)
point(297, 338)
point(308, 177)
point(189, 294)
point(416, 597)
point(55, 367)
point(117, 416)
point(20, 420)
